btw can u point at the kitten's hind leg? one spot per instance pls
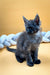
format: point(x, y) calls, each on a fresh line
point(19, 58)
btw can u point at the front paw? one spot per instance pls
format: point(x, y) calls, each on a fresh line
point(37, 61)
point(30, 64)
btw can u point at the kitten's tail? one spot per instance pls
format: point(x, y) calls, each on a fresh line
point(11, 49)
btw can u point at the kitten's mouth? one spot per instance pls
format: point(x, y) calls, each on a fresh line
point(36, 31)
point(33, 32)
point(30, 33)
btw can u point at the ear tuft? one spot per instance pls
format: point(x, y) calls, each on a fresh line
point(37, 19)
point(25, 20)
point(23, 17)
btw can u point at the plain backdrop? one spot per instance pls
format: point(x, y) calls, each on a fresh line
point(11, 12)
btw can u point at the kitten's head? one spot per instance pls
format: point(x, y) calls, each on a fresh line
point(32, 26)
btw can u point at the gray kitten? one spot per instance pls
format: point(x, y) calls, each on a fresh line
point(28, 42)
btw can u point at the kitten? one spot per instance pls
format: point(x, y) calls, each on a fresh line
point(28, 42)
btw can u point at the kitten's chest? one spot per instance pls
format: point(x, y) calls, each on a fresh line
point(35, 40)
point(34, 43)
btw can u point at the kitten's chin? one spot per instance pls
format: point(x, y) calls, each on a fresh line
point(30, 33)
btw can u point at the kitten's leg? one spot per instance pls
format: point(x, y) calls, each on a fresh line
point(35, 57)
point(19, 57)
point(26, 49)
point(29, 59)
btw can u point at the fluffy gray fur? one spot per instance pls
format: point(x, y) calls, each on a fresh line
point(28, 42)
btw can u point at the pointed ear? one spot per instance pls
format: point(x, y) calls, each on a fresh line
point(25, 20)
point(37, 19)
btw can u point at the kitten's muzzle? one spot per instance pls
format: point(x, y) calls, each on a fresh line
point(36, 31)
point(30, 31)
